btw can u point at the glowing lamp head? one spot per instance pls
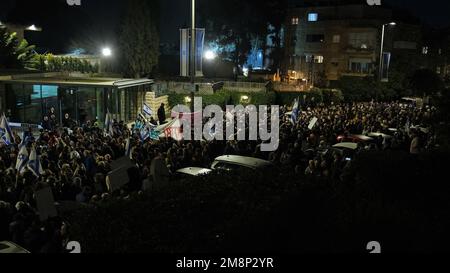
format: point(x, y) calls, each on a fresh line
point(106, 52)
point(210, 55)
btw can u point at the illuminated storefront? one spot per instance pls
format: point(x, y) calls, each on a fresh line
point(28, 98)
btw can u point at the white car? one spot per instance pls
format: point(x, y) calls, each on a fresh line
point(12, 248)
point(194, 171)
point(346, 145)
point(233, 162)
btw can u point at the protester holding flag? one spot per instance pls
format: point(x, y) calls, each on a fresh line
point(109, 125)
point(22, 159)
point(34, 163)
point(295, 111)
point(6, 133)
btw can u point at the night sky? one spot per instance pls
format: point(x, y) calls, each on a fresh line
point(98, 19)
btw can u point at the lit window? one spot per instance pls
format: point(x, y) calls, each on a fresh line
point(336, 39)
point(295, 21)
point(313, 17)
point(425, 50)
point(318, 59)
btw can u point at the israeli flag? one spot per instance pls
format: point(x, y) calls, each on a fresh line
point(144, 133)
point(34, 164)
point(109, 129)
point(7, 135)
point(128, 148)
point(295, 111)
point(22, 159)
point(147, 110)
point(25, 139)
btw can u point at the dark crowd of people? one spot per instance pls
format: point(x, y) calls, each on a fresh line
point(77, 159)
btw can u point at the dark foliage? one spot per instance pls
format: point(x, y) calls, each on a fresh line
point(391, 197)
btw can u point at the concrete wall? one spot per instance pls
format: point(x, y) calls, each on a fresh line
point(155, 102)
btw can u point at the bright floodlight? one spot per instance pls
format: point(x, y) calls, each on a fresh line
point(210, 55)
point(33, 28)
point(392, 23)
point(106, 52)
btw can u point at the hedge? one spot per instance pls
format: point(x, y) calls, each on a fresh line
point(226, 97)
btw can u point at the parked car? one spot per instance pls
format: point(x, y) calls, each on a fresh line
point(235, 163)
point(377, 134)
point(354, 138)
point(194, 171)
point(12, 248)
point(347, 149)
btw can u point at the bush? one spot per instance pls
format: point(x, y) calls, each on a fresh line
point(225, 97)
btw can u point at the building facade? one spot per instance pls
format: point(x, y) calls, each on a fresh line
point(327, 41)
point(27, 98)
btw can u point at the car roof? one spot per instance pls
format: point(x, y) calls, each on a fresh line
point(374, 134)
point(346, 145)
point(11, 248)
point(194, 171)
point(363, 137)
point(249, 162)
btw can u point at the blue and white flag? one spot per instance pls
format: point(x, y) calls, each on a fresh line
point(25, 139)
point(147, 109)
point(128, 148)
point(109, 125)
point(22, 159)
point(295, 111)
point(34, 163)
point(6, 133)
point(144, 133)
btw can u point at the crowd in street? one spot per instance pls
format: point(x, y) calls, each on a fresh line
point(76, 159)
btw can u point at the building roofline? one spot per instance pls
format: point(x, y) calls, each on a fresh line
point(65, 79)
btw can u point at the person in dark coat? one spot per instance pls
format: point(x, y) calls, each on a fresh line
point(162, 114)
point(47, 124)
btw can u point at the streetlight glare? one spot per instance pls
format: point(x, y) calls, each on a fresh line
point(106, 52)
point(393, 23)
point(210, 55)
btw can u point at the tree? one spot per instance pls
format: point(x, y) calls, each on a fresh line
point(425, 82)
point(14, 54)
point(236, 27)
point(139, 39)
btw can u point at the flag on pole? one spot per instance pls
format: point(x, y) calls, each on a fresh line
point(295, 111)
point(147, 109)
point(7, 135)
point(128, 148)
point(144, 133)
point(23, 141)
point(34, 163)
point(22, 159)
point(109, 125)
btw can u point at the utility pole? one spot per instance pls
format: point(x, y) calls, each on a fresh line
point(192, 62)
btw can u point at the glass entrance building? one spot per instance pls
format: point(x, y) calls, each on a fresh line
point(28, 98)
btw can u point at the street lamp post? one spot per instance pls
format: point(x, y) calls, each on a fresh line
point(380, 67)
point(193, 37)
point(106, 53)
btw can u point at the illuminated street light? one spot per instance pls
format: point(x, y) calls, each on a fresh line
point(106, 52)
point(33, 28)
point(245, 99)
point(210, 55)
point(380, 72)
